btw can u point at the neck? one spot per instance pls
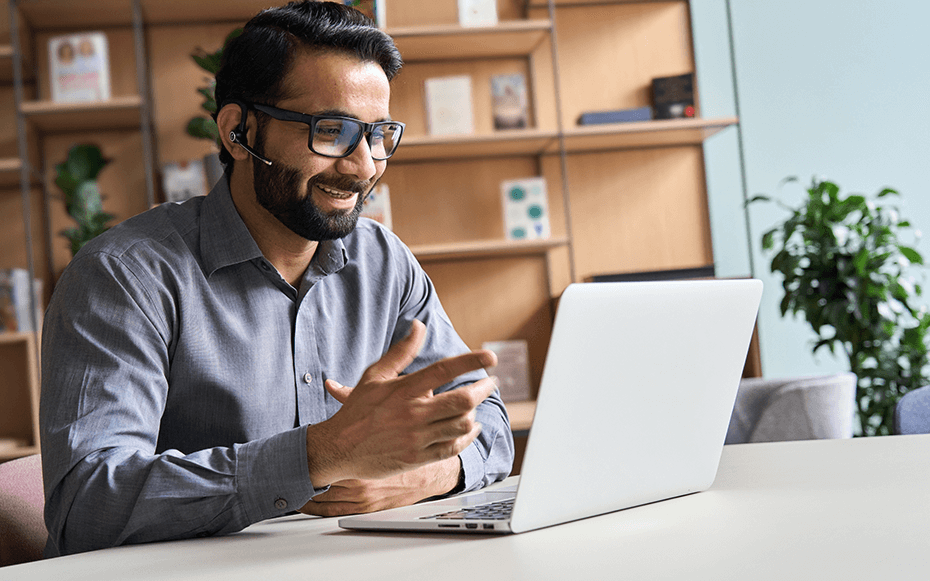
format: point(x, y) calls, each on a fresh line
point(289, 253)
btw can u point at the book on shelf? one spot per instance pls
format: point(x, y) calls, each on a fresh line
point(377, 205)
point(449, 105)
point(183, 180)
point(526, 209)
point(617, 116)
point(673, 97)
point(373, 9)
point(512, 369)
point(15, 302)
point(509, 101)
point(477, 12)
point(79, 66)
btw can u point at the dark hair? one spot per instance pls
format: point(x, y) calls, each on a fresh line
point(256, 62)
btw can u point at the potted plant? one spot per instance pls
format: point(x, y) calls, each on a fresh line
point(203, 126)
point(848, 273)
point(77, 178)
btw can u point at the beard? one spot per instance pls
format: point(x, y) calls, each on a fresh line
point(276, 189)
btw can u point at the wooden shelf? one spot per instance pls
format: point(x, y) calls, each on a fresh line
point(12, 337)
point(507, 39)
point(485, 249)
point(9, 171)
point(11, 450)
point(503, 143)
point(6, 63)
point(521, 415)
point(80, 15)
point(660, 133)
point(117, 113)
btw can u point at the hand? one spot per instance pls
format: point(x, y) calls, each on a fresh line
point(360, 496)
point(391, 423)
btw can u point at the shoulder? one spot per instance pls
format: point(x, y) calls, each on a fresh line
point(144, 246)
point(372, 240)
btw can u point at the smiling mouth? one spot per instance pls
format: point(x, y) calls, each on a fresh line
point(338, 194)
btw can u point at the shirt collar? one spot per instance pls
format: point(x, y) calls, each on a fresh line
point(224, 238)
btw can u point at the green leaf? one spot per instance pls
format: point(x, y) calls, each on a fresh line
point(84, 162)
point(911, 254)
point(202, 127)
point(757, 198)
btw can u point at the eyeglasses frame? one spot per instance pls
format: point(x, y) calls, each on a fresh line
point(311, 121)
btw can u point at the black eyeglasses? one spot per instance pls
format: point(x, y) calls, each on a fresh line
point(336, 136)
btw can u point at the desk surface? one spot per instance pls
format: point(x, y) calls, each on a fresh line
point(828, 509)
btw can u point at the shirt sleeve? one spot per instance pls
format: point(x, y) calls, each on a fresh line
point(490, 457)
point(105, 360)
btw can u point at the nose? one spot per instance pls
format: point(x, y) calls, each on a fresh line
point(359, 163)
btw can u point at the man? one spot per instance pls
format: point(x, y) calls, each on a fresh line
point(195, 356)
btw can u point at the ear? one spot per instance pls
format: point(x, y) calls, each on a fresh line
point(227, 121)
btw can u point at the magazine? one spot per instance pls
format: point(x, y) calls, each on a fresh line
point(79, 67)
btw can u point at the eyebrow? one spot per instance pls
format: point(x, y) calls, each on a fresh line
point(341, 113)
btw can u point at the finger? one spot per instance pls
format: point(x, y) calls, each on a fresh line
point(461, 400)
point(442, 372)
point(339, 392)
point(399, 356)
point(453, 447)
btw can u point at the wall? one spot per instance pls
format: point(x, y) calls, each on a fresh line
point(822, 88)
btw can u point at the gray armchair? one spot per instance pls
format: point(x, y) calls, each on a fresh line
point(912, 414)
point(808, 408)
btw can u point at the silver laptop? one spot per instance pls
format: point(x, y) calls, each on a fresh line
point(636, 395)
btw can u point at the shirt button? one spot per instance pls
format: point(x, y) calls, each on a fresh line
point(265, 266)
point(280, 504)
point(308, 379)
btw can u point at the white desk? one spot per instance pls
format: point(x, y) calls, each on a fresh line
point(830, 509)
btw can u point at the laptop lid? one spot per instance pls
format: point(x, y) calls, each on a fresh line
point(636, 396)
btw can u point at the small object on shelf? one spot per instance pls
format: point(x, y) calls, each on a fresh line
point(79, 67)
point(673, 97)
point(477, 12)
point(373, 9)
point(377, 205)
point(618, 116)
point(509, 102)
point(526, 209)
point(512, 369)
point(15, 303)
point(449, 105)
point(184, 180)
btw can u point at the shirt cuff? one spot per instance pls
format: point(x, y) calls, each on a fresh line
point(473, 465)
point(273, 476)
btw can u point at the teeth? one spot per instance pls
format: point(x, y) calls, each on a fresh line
point(336, 193)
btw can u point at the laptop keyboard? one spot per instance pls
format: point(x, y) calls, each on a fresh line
point(498, 510)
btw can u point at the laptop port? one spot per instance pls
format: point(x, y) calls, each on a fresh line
point(448, 526)
point(471, 525)
point(488, 527)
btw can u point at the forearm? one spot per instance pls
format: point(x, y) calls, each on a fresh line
point(122, 496)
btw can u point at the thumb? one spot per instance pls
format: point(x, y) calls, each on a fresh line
point(339, 392)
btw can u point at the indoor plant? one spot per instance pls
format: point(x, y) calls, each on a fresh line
point(847, 271)
point(204, 126)
point(77, 179)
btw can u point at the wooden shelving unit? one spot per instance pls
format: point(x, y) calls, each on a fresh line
point(622, 197)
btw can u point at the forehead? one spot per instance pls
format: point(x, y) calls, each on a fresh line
point(335, 81)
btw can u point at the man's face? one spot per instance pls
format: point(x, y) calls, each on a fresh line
point(316, 197)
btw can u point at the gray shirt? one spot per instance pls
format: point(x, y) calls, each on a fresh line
point(179, 371)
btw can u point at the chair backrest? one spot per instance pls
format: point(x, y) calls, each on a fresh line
point(807, 408)
point(912, 414)
point(22, 502)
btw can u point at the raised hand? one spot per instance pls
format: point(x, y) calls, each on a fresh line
point(391, 423)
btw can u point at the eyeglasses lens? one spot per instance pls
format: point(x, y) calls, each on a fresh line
point(339, 137)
